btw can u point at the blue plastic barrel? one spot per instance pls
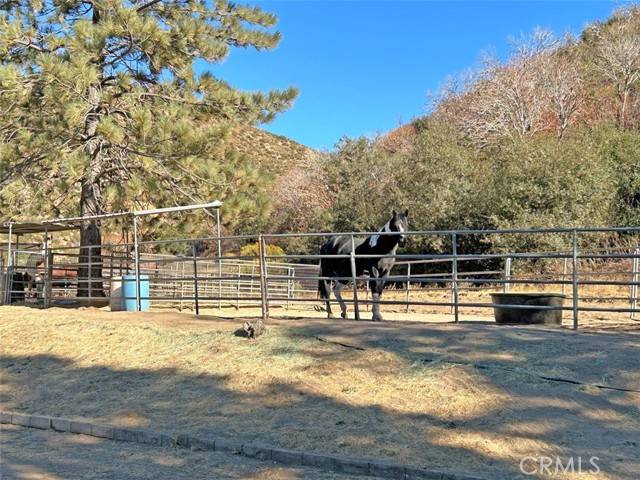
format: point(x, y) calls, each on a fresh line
point(129, 293)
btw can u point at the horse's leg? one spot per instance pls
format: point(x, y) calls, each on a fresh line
point(329, 287)
point(376, 286)
point(338, 293)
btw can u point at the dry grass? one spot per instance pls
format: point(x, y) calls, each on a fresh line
point(412, 395)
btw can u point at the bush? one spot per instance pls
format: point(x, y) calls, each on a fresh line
point(621, 149)
point(253, 250)
point(546, 182)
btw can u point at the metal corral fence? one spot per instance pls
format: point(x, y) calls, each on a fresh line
point(194, 273)
point(53, 277)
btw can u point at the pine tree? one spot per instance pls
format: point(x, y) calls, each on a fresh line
point(103, 109)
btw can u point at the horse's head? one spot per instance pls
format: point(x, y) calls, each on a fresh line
point(400, 223)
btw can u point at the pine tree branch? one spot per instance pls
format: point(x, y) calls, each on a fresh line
point(19, 168)
point(147, 5)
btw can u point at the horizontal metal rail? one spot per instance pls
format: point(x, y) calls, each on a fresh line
point(515, 231)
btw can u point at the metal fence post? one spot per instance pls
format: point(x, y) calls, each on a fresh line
point(238, 287)
point(253, 275)
point(453, 295)
point(9, 278)
point(49, 283)
point(634, 286)
point(408, 287)
point(45, 276)
point(263, 279)
point(289, 285)
point(454, 252)
point(576, 310)
point(136, 259)
point(182, 287)
point(565, 264)
point(206, 283)
point(219, 245)
point(90, 267)
point(356, 307)
point(111, 266)
point(507, 275)
point(9, 246)
point(195, 278)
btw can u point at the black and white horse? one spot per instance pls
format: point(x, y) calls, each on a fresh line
point(378, 268)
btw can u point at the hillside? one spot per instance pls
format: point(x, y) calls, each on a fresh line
point(274, 153)
point(548, 86)
point(297, 186)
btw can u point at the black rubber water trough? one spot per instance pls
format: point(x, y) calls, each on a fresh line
point(527, 316)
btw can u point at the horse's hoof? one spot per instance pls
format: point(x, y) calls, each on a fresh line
point(344, 316)
point(376, 318)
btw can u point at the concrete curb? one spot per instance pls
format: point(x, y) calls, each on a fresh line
point(282, 456)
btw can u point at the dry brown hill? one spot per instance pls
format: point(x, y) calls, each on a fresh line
point(299, 186)
point(275, 153)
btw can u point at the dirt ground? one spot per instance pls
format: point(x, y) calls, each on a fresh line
point(471, 397)
point(29, 454)
point(599, 296)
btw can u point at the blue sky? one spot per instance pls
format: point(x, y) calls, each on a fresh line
point(363, 67)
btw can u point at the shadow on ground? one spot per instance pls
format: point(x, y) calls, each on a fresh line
point(45, 455)
point(517, 413)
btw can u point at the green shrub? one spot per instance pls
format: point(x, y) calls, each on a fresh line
point(253, 250)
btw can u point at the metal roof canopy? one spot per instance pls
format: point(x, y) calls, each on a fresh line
point(72, 223)
point(33, 227)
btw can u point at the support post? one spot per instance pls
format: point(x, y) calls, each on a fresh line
point(565, 264)
point(454, 274)
point(136, 259)
point(408, 286)
point(253, 274)
point(635, 275)
point(356, 307)
point(89, 278)
point(238, 287)
point(181, 287)
point(289, 285)
point(576, 310)
point(111, 258)
point(263, 279)
point(453, 299)
point(17, 251)
point(195, 277)
point(45, 275)
point(507, 275)
point(219, 245)
point(51, 258)
point(8, 284)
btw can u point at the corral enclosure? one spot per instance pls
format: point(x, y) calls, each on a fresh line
point(463, 396)
point(597, 270)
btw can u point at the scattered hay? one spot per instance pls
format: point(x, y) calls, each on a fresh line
point(377, 399)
